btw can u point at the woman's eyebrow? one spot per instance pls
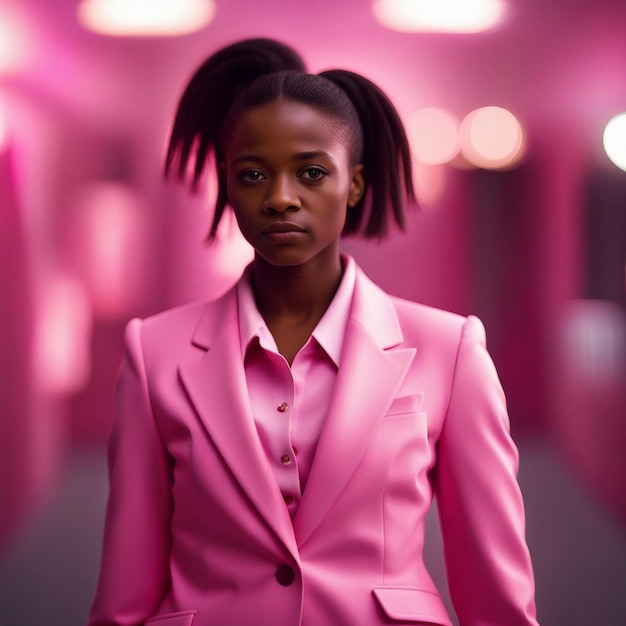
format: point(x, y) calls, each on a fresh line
point(300, 156)
point(247, 157)
point(312, 154)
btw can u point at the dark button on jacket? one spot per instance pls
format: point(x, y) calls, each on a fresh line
point(285, 575)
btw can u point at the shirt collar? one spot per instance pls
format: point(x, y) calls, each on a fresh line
point(329, 331)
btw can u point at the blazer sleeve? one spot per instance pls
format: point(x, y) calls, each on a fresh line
point(478, 497)
point(134, 575)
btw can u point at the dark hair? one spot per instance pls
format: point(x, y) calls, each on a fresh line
point(310, 89)
point(254, 72)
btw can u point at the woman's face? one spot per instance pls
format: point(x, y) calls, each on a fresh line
point(290, 181)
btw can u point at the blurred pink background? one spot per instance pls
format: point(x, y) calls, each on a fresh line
point(91, 235)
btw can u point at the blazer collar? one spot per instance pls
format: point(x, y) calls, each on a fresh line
point(373, 366)
point(217, 316)
point(372, 359)
point(216, 385)
point(371, 308)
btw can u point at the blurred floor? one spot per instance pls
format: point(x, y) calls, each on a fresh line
point(579, 550)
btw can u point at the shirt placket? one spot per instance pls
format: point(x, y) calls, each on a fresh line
point(283, 459)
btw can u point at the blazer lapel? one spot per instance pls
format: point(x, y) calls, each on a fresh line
point(217, 387)
point(369, 376)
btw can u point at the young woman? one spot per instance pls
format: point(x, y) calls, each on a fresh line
point(274, 453)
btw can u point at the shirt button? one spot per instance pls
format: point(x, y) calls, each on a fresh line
point(282, 407)
point(285, 575)
point(285, 459)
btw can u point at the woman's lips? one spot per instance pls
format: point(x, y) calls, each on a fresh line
point(283, 227)
point(283, 232)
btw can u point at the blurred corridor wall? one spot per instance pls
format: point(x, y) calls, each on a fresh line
point(29, 441)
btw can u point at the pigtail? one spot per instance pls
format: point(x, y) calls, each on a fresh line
point(386, 157)
point(206, 101)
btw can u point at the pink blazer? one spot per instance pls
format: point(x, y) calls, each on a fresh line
point(197, 532)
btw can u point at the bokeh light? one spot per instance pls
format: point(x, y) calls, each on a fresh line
point(614, 140)
point(429, 183)
point(492, 138)
point(434, 136)
point(4, 125)
point(444, 16)
point(15, 44)
point(145, 17)
point(62, 337)
point(107, 243)
point(594, 337)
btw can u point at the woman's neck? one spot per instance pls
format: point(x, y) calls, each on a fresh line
point(292, 300)
point(295, 291)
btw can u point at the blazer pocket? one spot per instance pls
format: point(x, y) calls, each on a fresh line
point(406, 404)
point(411, 604)
point(180, 618)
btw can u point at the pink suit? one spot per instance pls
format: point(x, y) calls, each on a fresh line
point(198, 533)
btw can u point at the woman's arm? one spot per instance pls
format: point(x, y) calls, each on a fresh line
point(134, 574)
point(480, 505)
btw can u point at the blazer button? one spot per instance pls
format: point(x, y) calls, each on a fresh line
point(285, 575)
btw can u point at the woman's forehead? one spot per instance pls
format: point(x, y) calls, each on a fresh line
point(285, 122)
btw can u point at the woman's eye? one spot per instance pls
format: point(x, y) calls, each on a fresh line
point(314, 173)
point(250, 176)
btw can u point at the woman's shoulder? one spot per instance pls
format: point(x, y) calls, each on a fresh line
point(411, 311)
point(177, 314)
point(424, 320)
point(184, 319)
point(416, 319)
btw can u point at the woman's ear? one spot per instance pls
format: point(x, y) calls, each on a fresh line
point(357, 185)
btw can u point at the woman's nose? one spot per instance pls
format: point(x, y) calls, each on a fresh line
point(282, 196)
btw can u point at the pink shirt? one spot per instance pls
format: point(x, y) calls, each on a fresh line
point(289, 404)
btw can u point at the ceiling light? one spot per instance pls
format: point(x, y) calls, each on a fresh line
point(145, 17)
point(614, 140)
point(439, 16)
